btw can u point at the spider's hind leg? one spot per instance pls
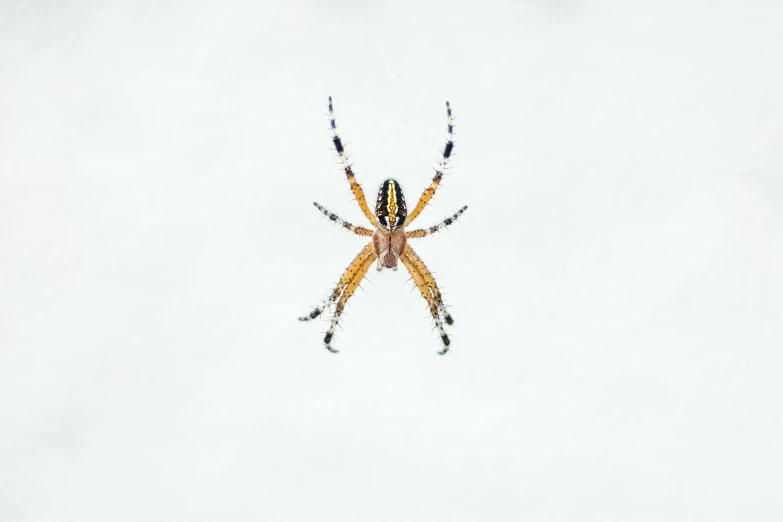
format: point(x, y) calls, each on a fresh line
point(429, 280)
point(346, 278)
point(348, 284)
point(350, 288)
point(426, 293)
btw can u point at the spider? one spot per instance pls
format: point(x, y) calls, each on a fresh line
point(389, 239)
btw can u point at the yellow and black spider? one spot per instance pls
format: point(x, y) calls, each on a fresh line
point(390, 239)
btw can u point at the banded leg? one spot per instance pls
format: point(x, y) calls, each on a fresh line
point(358, 193)
point(349, 290)
point(340, 221)
point(422, 232)
point(347, 277)
point(430, 191)
point(431, 284)
point(418, 278)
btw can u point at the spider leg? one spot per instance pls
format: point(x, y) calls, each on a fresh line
point(340, 221)
point(418, 278)
point(422, 232)
point(358, 193)
point(348, 275)
point(350, 288)
point(430, 282)
point(430, 191)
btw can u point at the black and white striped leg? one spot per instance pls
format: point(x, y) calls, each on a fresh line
point(340, 221)
point(449, 138)
point(422, 232)
point(446, 315)
point(446, 156)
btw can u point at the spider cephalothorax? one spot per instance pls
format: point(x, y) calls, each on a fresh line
point(390, 208)
point(389, 239)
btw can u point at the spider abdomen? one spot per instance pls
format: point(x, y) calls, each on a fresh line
point(390, 208)
point(389, 246)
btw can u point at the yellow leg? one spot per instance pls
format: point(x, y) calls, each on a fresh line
point(430, 191)
point(429, 280)
point(358, 193)
point(348, 275)
point(350, 288)
point(421, 284)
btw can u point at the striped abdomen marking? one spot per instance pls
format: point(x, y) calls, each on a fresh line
point(390, 208)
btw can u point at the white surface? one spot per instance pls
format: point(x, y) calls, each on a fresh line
point(616, 281)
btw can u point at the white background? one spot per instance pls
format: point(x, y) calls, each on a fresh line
point(616, 281)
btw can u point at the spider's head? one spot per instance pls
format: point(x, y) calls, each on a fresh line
point(390, 208)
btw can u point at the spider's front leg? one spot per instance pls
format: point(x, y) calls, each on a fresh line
point(430, 191)
point(358, 193)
